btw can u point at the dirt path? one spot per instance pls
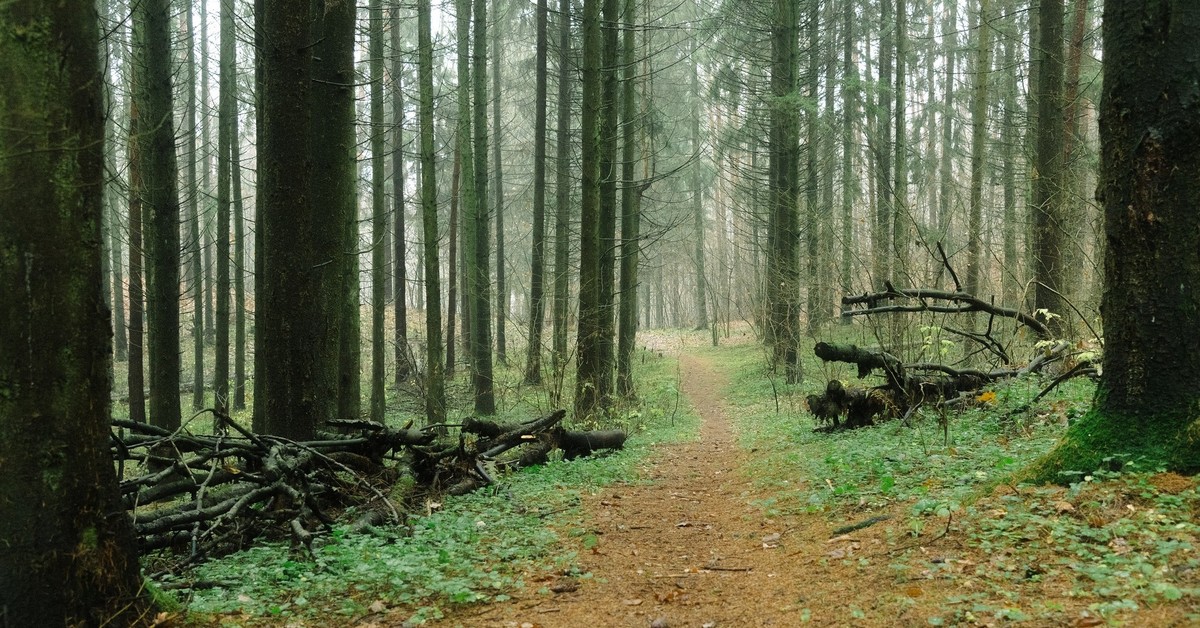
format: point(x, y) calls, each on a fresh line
point(688, 549)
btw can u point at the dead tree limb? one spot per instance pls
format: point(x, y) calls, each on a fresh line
point(960, 303)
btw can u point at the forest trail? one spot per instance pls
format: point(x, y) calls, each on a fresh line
point(689, 548)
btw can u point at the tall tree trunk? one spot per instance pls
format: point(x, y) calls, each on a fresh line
point(226, 120)
point(399, 236)
point(435, 396)
point(588, 355)
point(498, 173)
point(239, 268)
point(537, 280)
point(697, 196)
point(67, 561)
point(783, 266)
point(814, 275)
point(194, 239)
point(1145, 404)
point(850, 182)
point(452, 278)
point(335, 187)
point(204, 237)
point(378, 214)
point(946, 161)
point(1073, 196)
point(562, 192)
point(882, 233)
point(901, 217)
point(631, 198)
point(306, 171)
point(608, 198)
point(979, 123)
point(1049, 272)
point(156, 136)
point(481, 281)
point(1011, 283)
point(137, 298)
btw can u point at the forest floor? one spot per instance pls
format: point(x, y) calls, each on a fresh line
point(699, 545)
point(753, 519)
point(688, 548)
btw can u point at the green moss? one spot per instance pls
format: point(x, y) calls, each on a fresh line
point(160, 599)
point(88, 539)
point(1102, 440)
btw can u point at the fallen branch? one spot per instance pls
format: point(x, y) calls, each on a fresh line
point(964, 303)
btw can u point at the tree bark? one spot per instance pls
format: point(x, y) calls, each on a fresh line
point(498, 192)
point(537, 280)
point(194, 239)
point(67, 560)
point(378, 214)
point(481, 281)
point(631, 200)
point(1145, 404)
point(226, 122)
point(979, 124)
point(399, 235)
point(588, 356)
point(435, 396)
point(562, 193)
point(156, 136)
point(1047, 203)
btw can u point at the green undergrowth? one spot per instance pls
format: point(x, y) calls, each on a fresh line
point(1101, 549)
point(454, 550)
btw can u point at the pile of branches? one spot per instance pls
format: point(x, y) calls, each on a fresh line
point(907, 386)
point(210, 494)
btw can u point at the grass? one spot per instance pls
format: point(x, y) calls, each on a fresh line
point(1106, 548)
point(456, 551)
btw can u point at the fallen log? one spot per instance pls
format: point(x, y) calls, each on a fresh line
point(903, 388)
point(579, 444)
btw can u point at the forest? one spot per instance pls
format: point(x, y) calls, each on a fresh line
point(622, 312)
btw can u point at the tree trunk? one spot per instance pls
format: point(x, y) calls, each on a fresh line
point(137, 298)
point(481, 281)
point(194, 240)
point(783, 267)
point(814, 275)
point(452, 278)
point(435, 395)
point(606, 358)
point(562, 192)
point(979, 123)
point(239, 269)
point(537, 280)
point(1149, 120)
point(498, 173)
point(399, 236)
point(946, 160)
point(1049, 238)
point(378, 214)
point(901, 217)
point(850, 182)
point(630, 209)
point(306, 186)
point(697, 197)
point(882, 234)
point(226, 122)
point(67, 560)
point(156, 136)
point(588, 357)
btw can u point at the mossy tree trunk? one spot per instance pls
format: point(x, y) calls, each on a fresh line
point(67, 560)
point(1148, 400)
